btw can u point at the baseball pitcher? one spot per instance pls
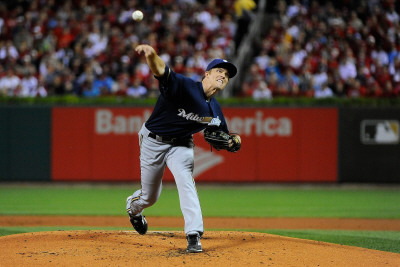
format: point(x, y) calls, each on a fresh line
point(183, 108)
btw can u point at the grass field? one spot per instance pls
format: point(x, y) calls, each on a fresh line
point(220, 201)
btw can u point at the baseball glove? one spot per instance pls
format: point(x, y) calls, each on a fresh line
point(219, 139)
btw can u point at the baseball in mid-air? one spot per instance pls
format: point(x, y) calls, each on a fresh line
point(137, 15)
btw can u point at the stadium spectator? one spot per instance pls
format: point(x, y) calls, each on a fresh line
point(297, 57)
point(8, 52)
point(136, 90)
point(288, 85)
point(324, 91)
point(262, 91)
point(103, 84)
point(320, 77)
point(30, 86)
point(10, 84)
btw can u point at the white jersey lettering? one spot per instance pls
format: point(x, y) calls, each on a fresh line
point(190, 116)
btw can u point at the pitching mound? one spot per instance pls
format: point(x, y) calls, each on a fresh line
point(127, 248)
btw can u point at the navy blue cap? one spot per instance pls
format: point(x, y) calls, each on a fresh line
point(222, 63)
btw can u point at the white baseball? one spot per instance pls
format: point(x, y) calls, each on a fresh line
point(137, 15)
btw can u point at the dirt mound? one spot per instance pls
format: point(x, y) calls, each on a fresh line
point(225, 248)
point(127, 248)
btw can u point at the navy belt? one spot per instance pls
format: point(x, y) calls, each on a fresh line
point(162, 138)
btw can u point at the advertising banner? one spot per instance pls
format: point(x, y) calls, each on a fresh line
point(278, 145)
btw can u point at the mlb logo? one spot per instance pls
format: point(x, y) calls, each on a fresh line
point(380, 132)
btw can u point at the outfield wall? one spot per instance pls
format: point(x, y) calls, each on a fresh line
point(369, 145)
point(25, 135)
point(279, 145)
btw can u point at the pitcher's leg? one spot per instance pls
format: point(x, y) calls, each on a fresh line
point(180, 160)
point(148, 194)
point(152, 166)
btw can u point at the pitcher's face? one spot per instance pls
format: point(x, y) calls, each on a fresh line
point(218, 78)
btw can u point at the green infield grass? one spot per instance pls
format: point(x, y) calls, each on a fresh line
point(219, 201)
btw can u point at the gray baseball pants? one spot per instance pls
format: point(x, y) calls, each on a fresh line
point(154, 156)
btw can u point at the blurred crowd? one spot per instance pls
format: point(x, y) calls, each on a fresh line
point(321, 50)
point(86, 47)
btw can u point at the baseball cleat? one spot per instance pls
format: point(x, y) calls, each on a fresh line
point(194, 244)
point(139, 223)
